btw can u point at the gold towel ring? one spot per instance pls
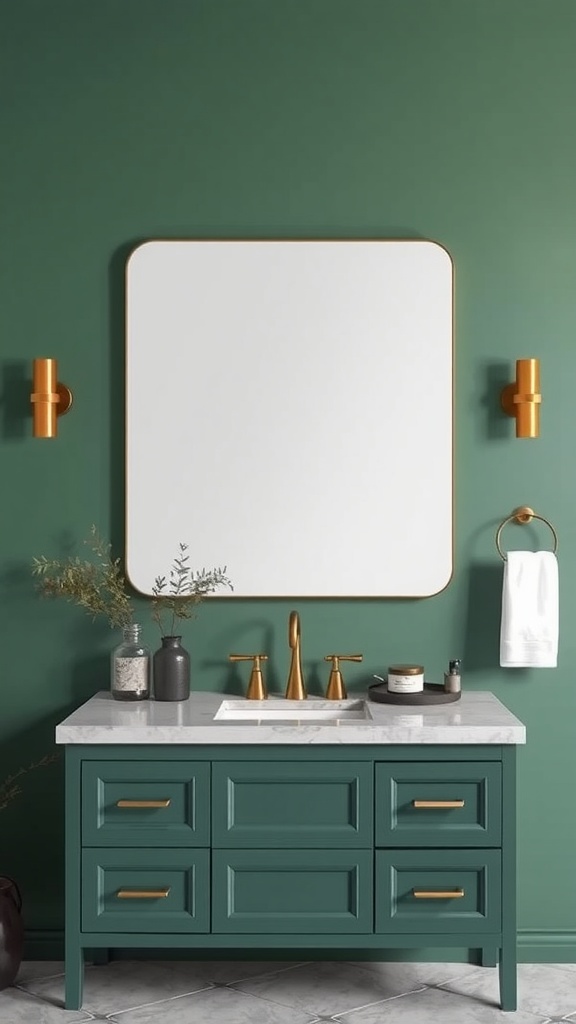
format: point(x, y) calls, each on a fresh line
point(524, 514)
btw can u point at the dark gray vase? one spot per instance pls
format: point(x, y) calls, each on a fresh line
point(171, 670)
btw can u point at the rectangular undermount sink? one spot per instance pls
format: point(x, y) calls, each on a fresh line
point(295, 712)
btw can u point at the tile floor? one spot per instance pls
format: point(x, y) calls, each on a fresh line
point(235, 992)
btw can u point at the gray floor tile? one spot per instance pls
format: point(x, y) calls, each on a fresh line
point(415, 975)
point(121, 985)
point(118, 986)
point(279, 992)
point(329, 988)
point(234, 971)
point(435, 1005)
point(213, 1006)
point(542, 989)
point(33, 969)
point(21, 1007)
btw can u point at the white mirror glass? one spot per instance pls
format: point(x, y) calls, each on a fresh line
point(289, 415)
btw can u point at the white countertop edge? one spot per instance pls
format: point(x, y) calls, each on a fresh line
point(292, 736)
point(478, 718)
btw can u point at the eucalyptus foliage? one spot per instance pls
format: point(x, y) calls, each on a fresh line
point(97, 584)
point(179, 596)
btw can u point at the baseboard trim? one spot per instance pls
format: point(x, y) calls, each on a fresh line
point(552, 947)
point(533, 947)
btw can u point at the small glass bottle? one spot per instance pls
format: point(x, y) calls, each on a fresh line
point(452, 678)
point(131, 667)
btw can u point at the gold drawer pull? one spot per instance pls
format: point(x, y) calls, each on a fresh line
point(142, 894)
point(437, 803)
point(437, 894)
point(143, 803)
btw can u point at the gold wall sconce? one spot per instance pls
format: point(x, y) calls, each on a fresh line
point(49, 398)
point(522, 399)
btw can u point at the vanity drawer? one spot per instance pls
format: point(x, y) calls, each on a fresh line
point(441, 803)
point(292, 891)
point(129, 803)
point(438, 891)
point(292, 804)
point(145, 890)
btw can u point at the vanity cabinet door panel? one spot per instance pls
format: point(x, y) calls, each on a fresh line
point(146, 803)
point(292, 891)
point(292, 804)
point(145, 890)
point(438, 891)
point(443, 803)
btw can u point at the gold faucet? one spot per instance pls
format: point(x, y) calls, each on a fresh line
point(295, 688)
point(336, 688)
point(256, 687)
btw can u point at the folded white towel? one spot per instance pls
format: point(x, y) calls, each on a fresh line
point(529, 628)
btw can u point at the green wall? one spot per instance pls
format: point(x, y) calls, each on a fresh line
point(451, 120)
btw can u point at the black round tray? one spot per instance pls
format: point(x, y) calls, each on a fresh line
point(434, 693)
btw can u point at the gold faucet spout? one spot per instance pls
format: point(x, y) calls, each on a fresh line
point(295, 688)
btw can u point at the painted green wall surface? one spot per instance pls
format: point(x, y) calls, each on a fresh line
point(452, 121)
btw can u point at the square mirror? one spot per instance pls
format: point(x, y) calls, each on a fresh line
point(289, 415)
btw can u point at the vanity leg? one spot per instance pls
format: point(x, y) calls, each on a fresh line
point(74, 980)
point(73, 949)
point(508, 954)
point(507, 970)
point(489, 956)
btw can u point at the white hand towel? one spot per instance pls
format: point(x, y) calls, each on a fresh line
point(529, 628)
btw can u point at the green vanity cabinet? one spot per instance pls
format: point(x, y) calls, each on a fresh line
point(293, 804)
point(445, 891)
point(292, 891)
point(305, 847)
point(292, 847)
point(156, 890)
point(167, 805)
point(448, 803)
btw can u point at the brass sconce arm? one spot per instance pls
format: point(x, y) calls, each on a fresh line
point(49, 398)
point(522, 399)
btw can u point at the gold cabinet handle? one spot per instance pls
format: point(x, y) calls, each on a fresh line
point(143, 803)
point(437, 803)
point(142, 894)
point(437, 894)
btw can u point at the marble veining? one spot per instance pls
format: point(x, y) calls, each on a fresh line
point(479, 717)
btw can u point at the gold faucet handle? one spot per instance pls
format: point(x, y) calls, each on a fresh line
point(336, 689)
point(256, 685)
point(247, 657)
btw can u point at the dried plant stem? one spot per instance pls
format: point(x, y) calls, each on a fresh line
point(9, 789)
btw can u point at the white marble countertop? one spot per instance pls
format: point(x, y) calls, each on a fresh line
point(478, 717)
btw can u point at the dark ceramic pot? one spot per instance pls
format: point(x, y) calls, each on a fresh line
point(11, 931)
point(171, 670)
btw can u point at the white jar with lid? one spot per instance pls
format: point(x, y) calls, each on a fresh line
point(406, 678)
